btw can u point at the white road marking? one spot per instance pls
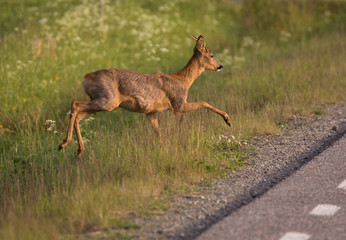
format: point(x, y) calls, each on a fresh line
point(324, 210)
point(342, 185)
point(295, 236)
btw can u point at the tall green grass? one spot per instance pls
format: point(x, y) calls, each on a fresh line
point(277, 64)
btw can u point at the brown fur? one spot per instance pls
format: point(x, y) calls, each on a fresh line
point(109, 89)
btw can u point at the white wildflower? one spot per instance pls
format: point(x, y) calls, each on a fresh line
point(285, 36)
point(247, 41)
point(164, 50)
point(43, 20)
point(50, 124)
point(89, 119)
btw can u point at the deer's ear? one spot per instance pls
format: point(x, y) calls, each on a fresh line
point(200, 44)
point(194, 37)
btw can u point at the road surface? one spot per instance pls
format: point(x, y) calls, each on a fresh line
point(310, 204)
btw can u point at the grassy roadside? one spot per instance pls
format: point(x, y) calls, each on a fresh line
point(48, 195)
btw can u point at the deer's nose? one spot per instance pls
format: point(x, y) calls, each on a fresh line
point(219, 68)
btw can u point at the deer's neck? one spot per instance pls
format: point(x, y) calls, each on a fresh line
point(190, 72)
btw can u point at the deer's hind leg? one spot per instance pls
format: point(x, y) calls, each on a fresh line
point(81, 109)
point(73, 115)
point(81, 147)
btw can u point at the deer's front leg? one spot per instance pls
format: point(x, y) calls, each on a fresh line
point(187, 107)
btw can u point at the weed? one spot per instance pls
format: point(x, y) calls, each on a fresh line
point(319, 112)
point(123, 225)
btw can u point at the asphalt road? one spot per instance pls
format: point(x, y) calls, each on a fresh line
point(310, 204)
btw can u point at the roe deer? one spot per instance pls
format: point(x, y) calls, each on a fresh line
point(109, 89)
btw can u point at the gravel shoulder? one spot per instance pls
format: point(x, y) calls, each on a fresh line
point(274, 158)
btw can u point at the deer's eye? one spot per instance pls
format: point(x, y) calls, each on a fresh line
point(212, 56)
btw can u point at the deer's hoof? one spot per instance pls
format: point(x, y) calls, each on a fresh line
point(79, 154)
point(227, 120)
point(60, 147)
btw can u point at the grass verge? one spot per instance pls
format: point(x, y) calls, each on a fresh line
point(270, 75)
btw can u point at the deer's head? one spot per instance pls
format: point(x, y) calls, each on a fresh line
point(205, 57)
